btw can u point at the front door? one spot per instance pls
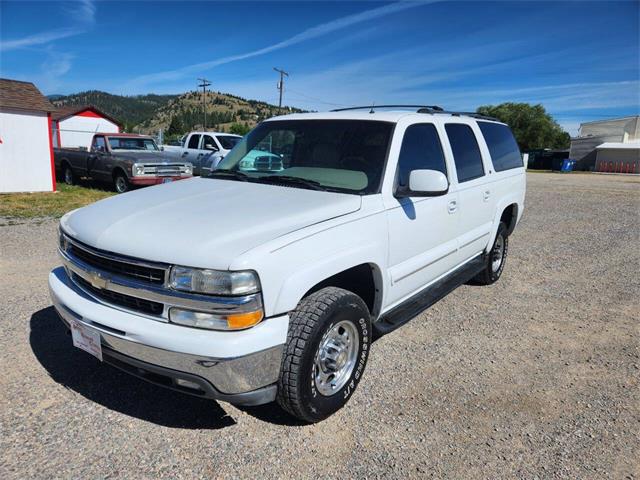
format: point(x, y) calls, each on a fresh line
point(422, 230)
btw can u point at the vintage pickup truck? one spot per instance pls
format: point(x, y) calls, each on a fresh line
point(122, 160)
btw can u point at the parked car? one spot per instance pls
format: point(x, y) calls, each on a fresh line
point(204, 149)
point(122, 160)
point(277, 291)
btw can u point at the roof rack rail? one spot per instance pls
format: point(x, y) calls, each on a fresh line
point(431, 108)
point(469, 114)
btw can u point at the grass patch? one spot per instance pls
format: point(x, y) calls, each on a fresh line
point(33, 205)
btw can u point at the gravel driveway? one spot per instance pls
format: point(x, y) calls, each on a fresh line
point(536, 376)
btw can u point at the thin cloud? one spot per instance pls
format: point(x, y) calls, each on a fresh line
point(310, 33)
point(83, 12)
point(41, 38)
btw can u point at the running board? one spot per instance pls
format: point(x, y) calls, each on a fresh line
point(413, 306)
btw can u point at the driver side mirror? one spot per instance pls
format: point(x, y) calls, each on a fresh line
point(208, 146)
point(424, 183)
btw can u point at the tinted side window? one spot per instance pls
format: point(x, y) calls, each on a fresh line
point(208, 140)
point(466, 152)
point(194, 141)
point(504, 150)
point(98, 144)
point(420, 150)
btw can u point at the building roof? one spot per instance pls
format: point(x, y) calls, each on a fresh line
point(619, 146)
point(23, 96)
point(71, 110)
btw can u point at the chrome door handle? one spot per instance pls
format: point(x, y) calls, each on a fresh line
point(486, 195)
point(453, 206)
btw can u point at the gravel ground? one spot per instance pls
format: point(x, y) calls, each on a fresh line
point(534, 377)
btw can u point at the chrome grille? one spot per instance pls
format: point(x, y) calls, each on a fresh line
point(120, 299)
point(118, 266)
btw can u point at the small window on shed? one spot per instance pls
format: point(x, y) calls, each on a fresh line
point(420, 150)
point(503, 147)
point(194, 141)
point(466, 153)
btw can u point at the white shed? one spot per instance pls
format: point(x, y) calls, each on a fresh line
point(75, 125)
point(26, 151)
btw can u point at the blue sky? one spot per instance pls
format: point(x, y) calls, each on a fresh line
point(581, 60)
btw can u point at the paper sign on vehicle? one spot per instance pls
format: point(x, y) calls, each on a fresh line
point(86, 339)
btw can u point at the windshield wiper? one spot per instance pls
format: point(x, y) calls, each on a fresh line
point(226, 173)
point(303, 182)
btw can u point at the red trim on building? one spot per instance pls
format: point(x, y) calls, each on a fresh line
point(88, 113)
point(53, 165)
point(57, 124)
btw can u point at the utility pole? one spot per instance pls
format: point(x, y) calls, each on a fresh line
point(205, 83)
point(281, 84)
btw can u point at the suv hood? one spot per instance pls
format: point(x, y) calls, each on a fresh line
point(201, 222)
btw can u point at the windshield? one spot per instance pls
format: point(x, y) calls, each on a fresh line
point(336, 155)
point(228, 141)
point(132, 143)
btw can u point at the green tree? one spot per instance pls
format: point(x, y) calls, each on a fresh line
point(175, 127)
point(532, 126)
point(239, 128)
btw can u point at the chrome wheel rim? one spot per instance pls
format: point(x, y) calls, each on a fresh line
point(497, 254)
point(121, 186)
point(68, 176)
point(336, 357)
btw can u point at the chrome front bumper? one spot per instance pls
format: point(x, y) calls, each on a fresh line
point(248, 379)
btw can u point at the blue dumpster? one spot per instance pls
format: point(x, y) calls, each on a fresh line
point(567, 165)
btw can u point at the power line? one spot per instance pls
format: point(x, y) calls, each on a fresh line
point(205, 83)
point(281, 84)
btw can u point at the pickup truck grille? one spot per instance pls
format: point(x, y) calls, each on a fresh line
point(267, 163)
point(165, 170)
point(119, 267)
point(116, 298)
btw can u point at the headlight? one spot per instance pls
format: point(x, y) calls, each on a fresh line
point(214, 282)
point(188, 169)
point(137, 169)
point(64, 243)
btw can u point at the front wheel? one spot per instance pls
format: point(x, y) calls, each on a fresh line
point(325, 355)
point(120, 182)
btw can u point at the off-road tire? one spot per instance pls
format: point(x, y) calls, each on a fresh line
point(490, 274)
point(316, 315)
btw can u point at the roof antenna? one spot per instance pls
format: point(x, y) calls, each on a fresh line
point(373, 104)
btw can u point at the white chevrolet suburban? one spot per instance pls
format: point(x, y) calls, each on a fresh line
point(270, 282)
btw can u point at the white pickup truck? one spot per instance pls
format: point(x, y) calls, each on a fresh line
point(203, 150)
point(271, 283)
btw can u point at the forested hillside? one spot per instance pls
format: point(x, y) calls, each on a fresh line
point(177, 114)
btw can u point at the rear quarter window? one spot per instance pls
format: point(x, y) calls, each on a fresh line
point(503, 147)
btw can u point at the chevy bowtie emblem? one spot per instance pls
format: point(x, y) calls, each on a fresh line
point(98, 281)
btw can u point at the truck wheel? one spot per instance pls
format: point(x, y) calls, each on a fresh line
point(325, 355)
point(121, 182)
point(495, 259)
point(67, 175)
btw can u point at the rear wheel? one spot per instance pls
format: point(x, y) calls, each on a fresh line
point(325, 354)
point(495, 259)
point(121, 183)
point(67, 174)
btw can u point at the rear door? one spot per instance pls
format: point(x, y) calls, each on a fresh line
point(192, 149)
point(422, 230)
point(475, 200)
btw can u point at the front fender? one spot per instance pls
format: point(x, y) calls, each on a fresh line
point(291, 267)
